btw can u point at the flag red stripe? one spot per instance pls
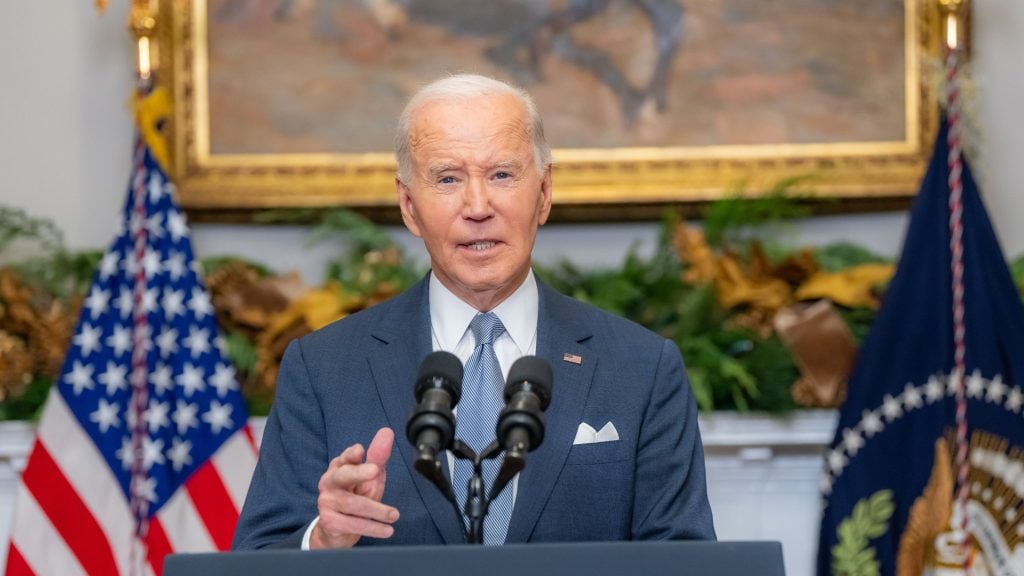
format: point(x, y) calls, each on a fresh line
point(214, 505)
point(67, 513)
point(252, 439)
point(157, 545)
point(16, 565)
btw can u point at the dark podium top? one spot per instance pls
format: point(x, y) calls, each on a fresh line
point(689, 558)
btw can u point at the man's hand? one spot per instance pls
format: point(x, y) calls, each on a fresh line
point(350, 494)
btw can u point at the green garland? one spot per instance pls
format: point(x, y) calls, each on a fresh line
point(729, 368)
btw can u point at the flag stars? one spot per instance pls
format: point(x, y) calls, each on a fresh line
point(155, 225)
point(120, 341)
point(88, 340)
point(191, 379)
point(146, 488)
point(175, 265)
point(934, 389)
point(115, 378)
point(151, 263)
point(156, 188)
point(106, 416)
point(911, 397)
point(179, 454)
point(826, 485)
point(152, 452)
point(80, 377)
point(218, 416)
point(124, 454)
point(160, 378)
point(176, 224)
point(200, 303)
point(156, 415)
point(97, 302)
point(185, 416)
point(891, 408)
point(149, 298)
point(197, 341)
point(952, 383)
point(174, 303)
point(124, 303)
point(223, 379)
point(1014, 400)
point(109, 264)
point(167, 341)
point(996, 389)
point(852, 441)
point(871, 423)
point(975, 385)
point(836, 461)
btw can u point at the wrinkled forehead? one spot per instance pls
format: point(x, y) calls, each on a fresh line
point(494, 118)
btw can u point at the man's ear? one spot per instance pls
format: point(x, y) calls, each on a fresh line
point(544, 208)
point(406, 206)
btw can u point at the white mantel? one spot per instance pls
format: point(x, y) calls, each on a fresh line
point(763, 475)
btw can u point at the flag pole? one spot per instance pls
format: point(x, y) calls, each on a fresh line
point(952, 26)
point(142, 24)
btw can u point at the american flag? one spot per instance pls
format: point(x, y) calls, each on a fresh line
point(143, 448)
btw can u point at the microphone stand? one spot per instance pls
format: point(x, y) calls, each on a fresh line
point(478, 501)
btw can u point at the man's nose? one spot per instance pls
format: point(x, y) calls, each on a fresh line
point(476, 200)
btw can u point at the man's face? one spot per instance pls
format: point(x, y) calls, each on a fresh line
point(474, 195)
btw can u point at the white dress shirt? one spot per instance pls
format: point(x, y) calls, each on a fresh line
point(449, 330)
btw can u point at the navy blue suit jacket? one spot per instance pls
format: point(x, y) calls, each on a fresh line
point(339, 385)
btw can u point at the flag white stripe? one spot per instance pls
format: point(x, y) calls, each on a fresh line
point(38, 542)
point(85, 469)
point(185, 529)
point(234, 462)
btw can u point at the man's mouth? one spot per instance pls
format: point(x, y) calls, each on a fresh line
point(481, 245)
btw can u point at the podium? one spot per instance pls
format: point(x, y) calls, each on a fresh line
point(684, 558)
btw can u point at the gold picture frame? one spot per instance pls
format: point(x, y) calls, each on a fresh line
point(591, 183)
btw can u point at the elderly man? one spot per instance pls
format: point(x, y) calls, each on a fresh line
point(622, 457)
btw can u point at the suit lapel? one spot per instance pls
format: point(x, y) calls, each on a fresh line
point(404, 337)
point(558, 333)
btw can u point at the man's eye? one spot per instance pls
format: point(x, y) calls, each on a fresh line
point(447, 180)
point(502, 175)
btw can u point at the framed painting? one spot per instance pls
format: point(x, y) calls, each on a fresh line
point(647, 103)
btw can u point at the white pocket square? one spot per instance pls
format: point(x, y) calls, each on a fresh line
point(586, 434)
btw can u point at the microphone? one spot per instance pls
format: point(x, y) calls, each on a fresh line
point(431, 427)
point(520, 426)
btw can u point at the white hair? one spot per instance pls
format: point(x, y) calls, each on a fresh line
point(464, 87)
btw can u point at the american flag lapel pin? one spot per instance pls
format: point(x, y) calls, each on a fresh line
point(572, 358)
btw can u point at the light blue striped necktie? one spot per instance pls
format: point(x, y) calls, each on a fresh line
point(482, 400)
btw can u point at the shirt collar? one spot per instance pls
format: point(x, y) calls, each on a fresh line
point(450, 316)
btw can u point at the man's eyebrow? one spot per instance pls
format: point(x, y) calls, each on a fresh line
point(438, 169)
point(513, 165)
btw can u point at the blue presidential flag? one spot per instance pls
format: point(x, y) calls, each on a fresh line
point(892, 479)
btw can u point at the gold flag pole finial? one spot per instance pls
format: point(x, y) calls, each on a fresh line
point(142, 22)
point(953, 23)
